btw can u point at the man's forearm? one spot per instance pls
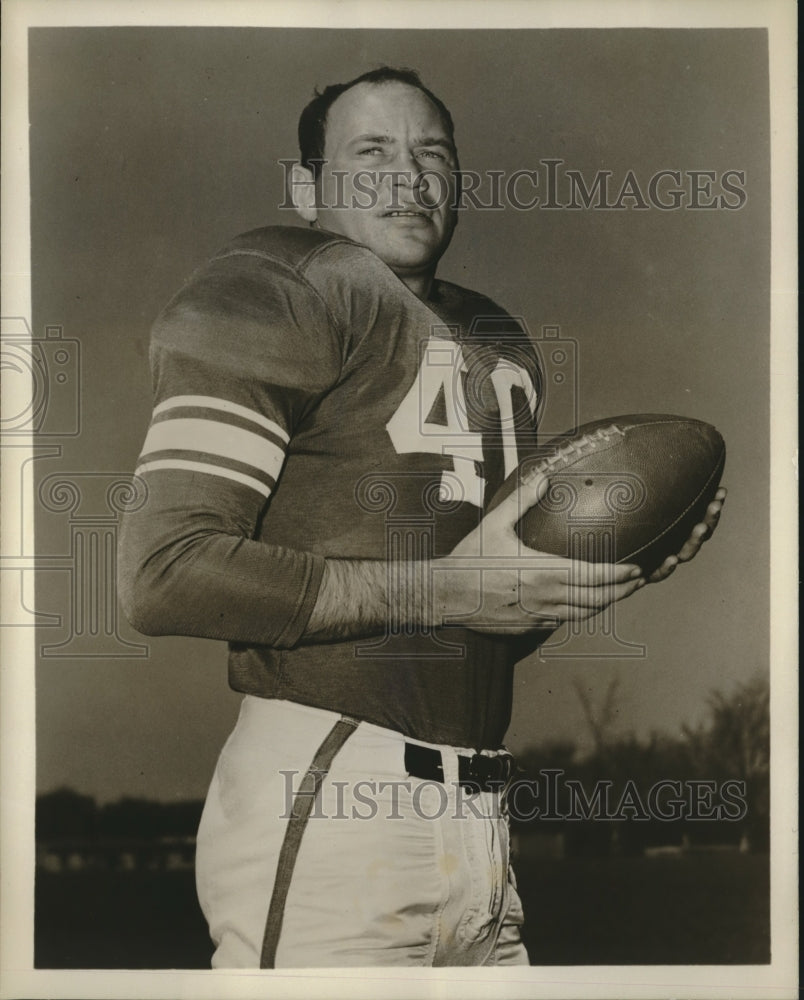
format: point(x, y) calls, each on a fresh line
point(359, 598)
point(364, 597)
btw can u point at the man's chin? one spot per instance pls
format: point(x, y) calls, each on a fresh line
point(412, 255)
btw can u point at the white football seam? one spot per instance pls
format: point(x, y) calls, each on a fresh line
point(574, 448)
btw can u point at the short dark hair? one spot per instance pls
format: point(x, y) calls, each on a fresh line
point(313, 120)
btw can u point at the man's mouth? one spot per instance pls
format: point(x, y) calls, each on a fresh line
point(406, 213)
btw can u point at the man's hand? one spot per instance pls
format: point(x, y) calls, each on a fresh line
point(492, 582)
point(700, 533)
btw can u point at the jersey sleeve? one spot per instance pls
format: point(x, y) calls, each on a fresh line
point(239, 358)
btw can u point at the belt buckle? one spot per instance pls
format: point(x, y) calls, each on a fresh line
point(424, 762)
point(477, 769)
point(483, 771)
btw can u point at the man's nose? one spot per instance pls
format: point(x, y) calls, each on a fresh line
point(409, 172)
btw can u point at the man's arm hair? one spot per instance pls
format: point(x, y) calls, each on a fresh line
point(358, 598)
point(352, 602)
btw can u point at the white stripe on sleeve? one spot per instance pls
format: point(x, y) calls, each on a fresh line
point(212, 437)
point(213, 403)
point(212, 470)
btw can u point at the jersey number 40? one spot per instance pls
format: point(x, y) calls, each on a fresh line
point(434, 417)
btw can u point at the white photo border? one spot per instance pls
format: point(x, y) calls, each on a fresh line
point(778, 979)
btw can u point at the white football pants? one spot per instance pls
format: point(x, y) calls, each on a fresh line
point(387, 870)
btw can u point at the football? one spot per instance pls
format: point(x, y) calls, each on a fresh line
point(623, 489)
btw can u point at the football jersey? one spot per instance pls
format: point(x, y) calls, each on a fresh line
point(308, 405)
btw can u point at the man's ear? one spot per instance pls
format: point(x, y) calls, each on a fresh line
point(302, 192)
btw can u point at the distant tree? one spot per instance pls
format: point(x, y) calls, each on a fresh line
point(145, 819)
point(130, 817)
point(735, 738)
point(559, 754)
point(734, 743)
point(182, 818)
point(65, 814)
point(601, 719)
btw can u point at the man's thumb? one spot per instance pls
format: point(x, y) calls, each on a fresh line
point(532, 487)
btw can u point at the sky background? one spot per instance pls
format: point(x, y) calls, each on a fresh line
point(150, 148)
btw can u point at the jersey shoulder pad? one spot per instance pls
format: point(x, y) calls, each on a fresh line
point(477, 314)
point(290, 245)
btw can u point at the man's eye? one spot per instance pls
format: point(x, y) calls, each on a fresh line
point(370, 150)
point(430, 153)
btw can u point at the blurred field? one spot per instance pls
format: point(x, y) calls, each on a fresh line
point(707, 908)
point(119, 920)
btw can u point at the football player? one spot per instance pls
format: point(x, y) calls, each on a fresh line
point(329, 421)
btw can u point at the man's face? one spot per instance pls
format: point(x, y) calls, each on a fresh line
point(389, 177)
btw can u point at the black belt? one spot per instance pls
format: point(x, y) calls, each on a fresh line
point(478, 772)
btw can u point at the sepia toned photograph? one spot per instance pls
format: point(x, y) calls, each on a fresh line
point(391, 440)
